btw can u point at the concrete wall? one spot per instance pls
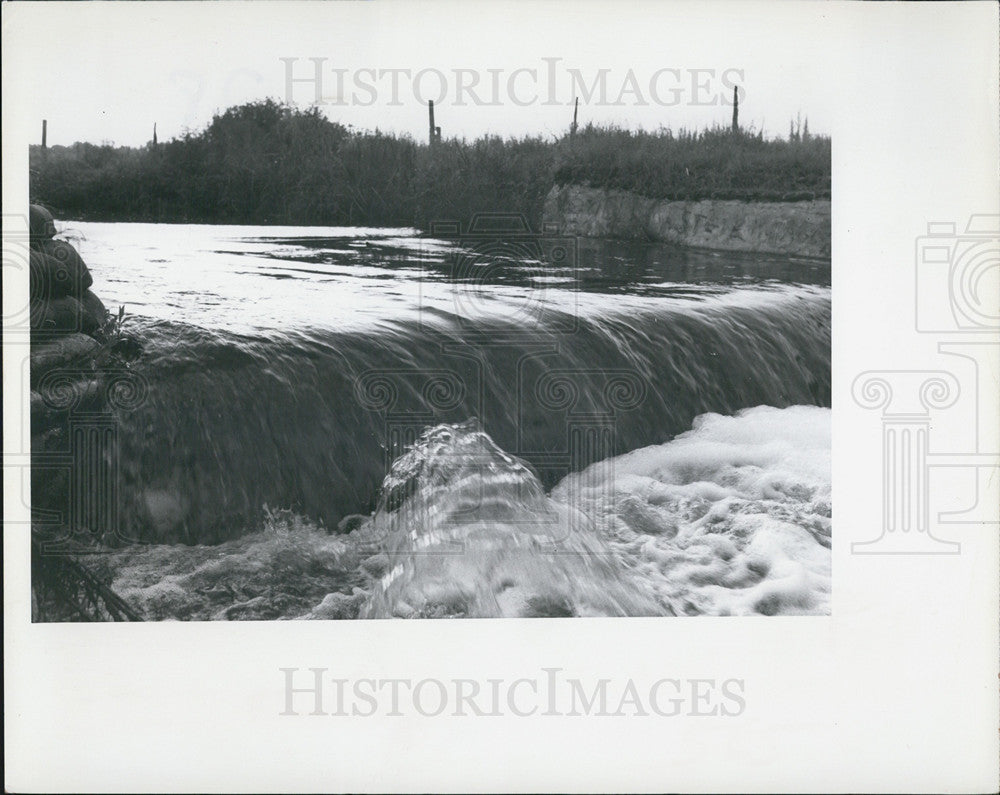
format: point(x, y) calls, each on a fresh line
point(790, 228)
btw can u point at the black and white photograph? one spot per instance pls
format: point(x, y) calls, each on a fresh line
point(330, 321)
point(284, 366)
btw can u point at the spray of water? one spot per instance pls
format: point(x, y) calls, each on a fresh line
point(470, 531)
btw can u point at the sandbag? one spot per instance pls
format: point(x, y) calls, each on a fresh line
point(57, 270)
point(41, 224)
point(49, 278)
point(58, 353)
point(65, 315)
point(95, 307)
point(70, 257)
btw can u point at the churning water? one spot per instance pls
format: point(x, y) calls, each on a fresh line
point(342, 423)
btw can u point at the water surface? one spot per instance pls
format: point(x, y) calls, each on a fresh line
point(453, 392)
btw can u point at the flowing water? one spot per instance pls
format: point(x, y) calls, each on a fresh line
point(339, 423)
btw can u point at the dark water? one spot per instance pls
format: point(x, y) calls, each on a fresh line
point(291, 368)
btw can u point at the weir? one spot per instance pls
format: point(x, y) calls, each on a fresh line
point(325, 416)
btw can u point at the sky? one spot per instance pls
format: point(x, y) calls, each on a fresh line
point(106, 72)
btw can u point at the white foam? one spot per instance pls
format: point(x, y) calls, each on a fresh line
point(732, 517)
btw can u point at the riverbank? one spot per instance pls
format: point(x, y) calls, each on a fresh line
point(265, 164)
point(800, 229)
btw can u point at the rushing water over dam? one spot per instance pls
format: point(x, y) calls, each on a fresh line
point(468, 396)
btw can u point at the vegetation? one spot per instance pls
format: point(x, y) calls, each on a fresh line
point(265, 163)
point(710, 164)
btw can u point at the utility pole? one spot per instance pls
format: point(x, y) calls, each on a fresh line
point(576, 107)
point(45, 125)
point(434, 133)
point(154, 133)
point(736, 110)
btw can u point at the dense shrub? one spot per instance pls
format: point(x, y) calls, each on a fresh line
point(265, 163)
